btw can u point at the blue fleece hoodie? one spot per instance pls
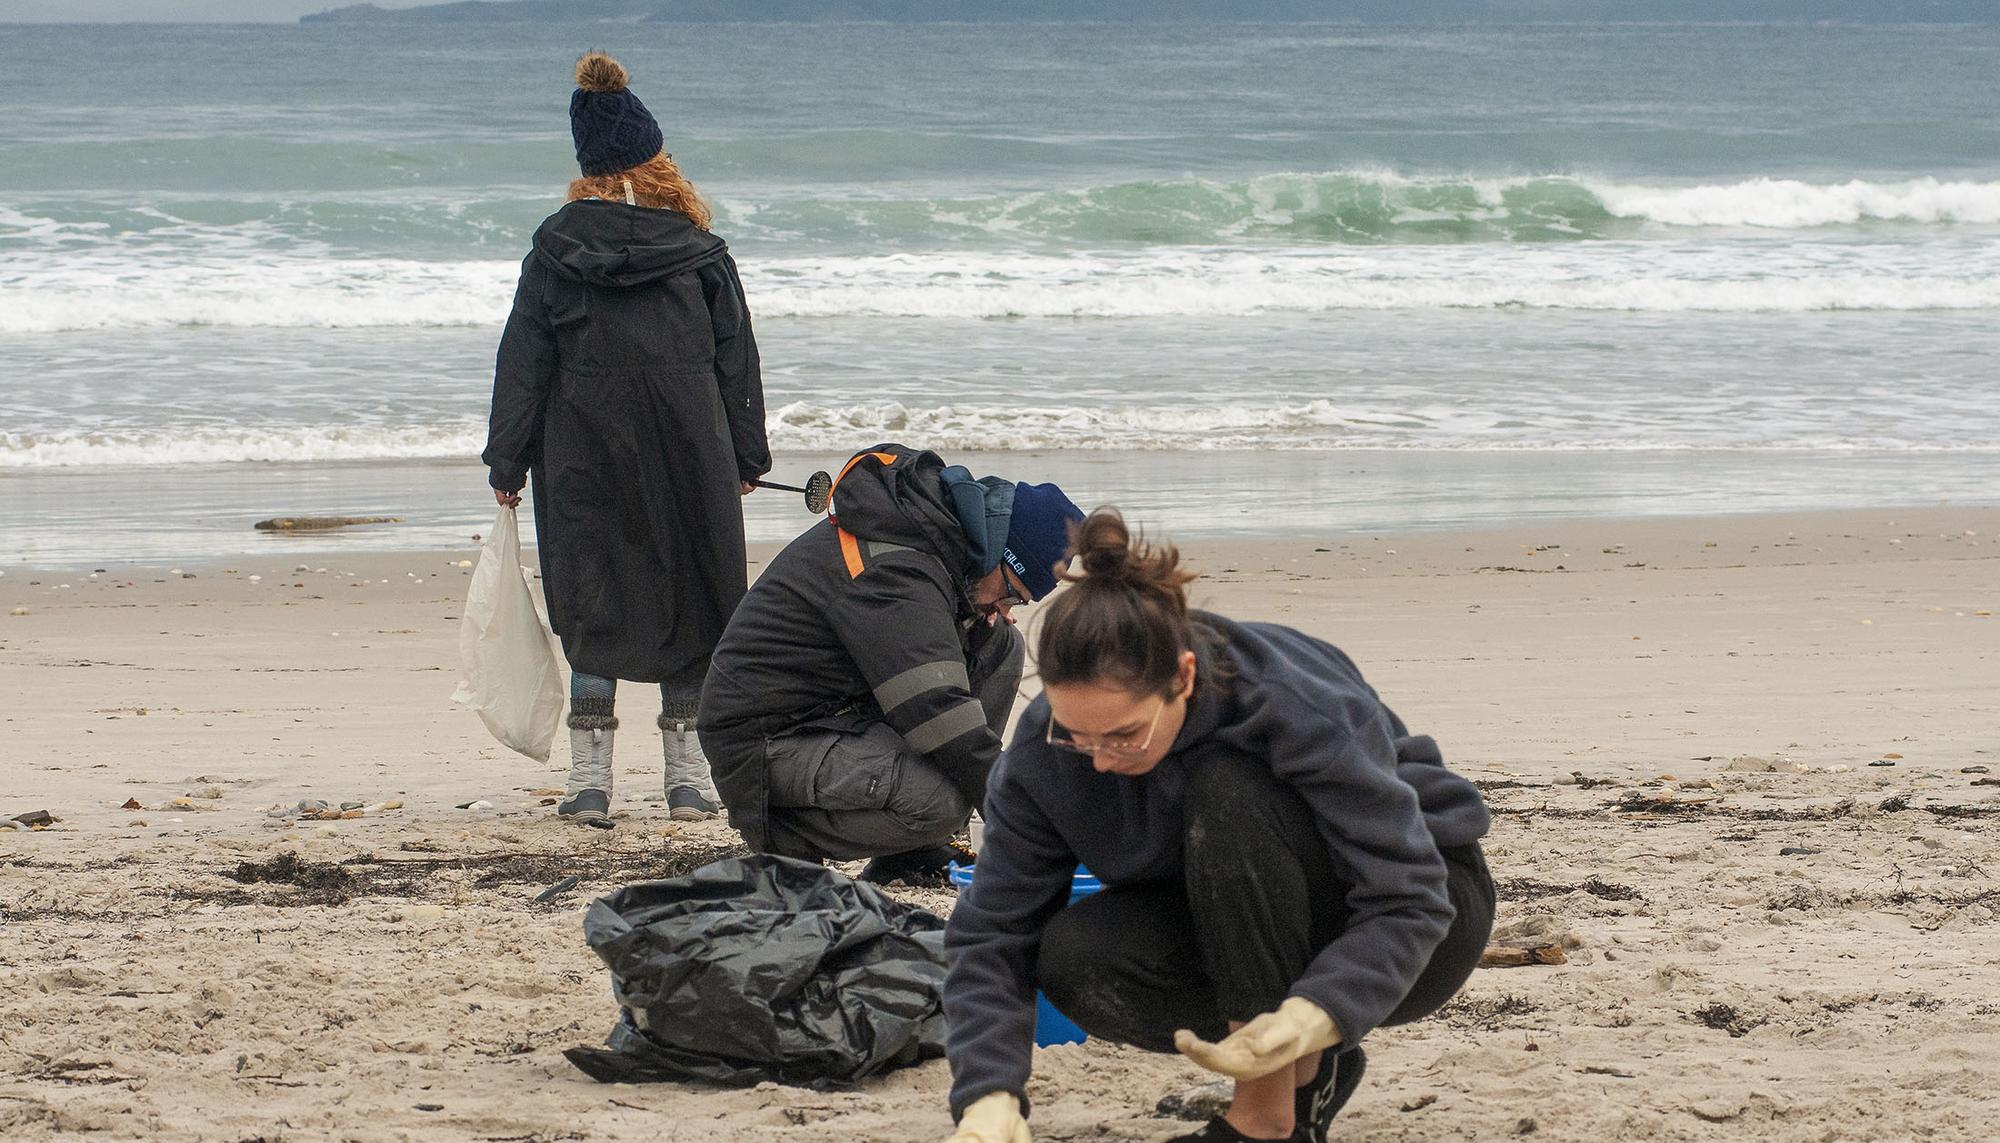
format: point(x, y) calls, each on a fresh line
point(1384, 800)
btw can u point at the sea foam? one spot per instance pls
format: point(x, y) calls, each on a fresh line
point(1726, 277)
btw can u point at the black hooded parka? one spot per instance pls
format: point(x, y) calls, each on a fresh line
point(870, 612)
point(627, 382)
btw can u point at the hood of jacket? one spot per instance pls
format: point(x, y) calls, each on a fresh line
point(898, 495)
point(610, 244)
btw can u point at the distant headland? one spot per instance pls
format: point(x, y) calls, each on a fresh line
point(1019, 11)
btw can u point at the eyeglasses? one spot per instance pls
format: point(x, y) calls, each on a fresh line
point(1010, 596)
point(1121, 747)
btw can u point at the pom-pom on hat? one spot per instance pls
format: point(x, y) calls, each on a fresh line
point(1038, 535)
point(612, 129)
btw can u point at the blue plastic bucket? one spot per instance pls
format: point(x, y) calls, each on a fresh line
point(1051, 1026)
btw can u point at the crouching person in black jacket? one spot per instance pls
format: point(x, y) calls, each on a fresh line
point(1285, 866)
point(856, 701)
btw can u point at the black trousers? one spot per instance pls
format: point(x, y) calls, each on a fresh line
point(1261, 895)
point(857, 790)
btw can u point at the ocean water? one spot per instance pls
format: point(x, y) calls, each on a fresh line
point(1245, 278)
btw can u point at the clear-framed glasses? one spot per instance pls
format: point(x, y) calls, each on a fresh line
point(1121, 747)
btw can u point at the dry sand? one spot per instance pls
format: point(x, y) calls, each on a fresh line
point(1791, 943)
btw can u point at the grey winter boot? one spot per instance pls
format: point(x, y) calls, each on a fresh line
point(690, 791)
point(588, 800)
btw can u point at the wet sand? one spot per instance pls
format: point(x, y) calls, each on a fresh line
point(1676, 722)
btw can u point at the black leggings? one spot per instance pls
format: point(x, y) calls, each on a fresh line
point(1261, 896)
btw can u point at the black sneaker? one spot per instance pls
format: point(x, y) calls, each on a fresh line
point(687, 804)
point(926, 868)
point(1218, 1130)
point(1332, 1086)
point(587, 807)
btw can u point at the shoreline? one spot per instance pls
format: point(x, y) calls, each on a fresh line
point(69, 518)
point(1413, 544)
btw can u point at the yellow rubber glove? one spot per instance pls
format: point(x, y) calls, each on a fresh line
point(1271, 1041)
point(992, 1118)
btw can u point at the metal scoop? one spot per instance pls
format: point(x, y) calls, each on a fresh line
point(819, 487)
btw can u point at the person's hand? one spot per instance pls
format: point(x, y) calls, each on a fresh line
point(1271, 1041)
point(992, 1118)
point(747, 488)
point(507, 499)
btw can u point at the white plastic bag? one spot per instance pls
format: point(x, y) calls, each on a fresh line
point(513, 676)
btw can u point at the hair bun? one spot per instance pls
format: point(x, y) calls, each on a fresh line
point(599, 72)
point(1115, 560)
point(1105, 546)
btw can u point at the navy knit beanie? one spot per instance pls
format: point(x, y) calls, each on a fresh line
point(613, 130)
point(1038, 535)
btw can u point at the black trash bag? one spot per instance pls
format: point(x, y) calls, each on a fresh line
point(765, 968)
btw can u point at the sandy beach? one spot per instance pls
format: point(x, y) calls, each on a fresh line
point(1743, 767)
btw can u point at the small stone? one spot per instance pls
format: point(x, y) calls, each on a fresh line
point(18, 611)
point(131, 804)
point(34, 818)
point(1201, 1102)
point(212, 793)
point(423, 912)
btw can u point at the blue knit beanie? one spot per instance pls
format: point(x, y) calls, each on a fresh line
point(613, 130)
point(1038, 535)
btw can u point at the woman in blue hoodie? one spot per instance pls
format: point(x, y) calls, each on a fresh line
point(1285, 866)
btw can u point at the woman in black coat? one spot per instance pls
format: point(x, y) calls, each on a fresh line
point(627, 385)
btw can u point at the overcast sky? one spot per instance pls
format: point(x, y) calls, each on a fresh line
point(70, 11)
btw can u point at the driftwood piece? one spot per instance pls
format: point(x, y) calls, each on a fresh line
point(319, 523)
point(1520, 956)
